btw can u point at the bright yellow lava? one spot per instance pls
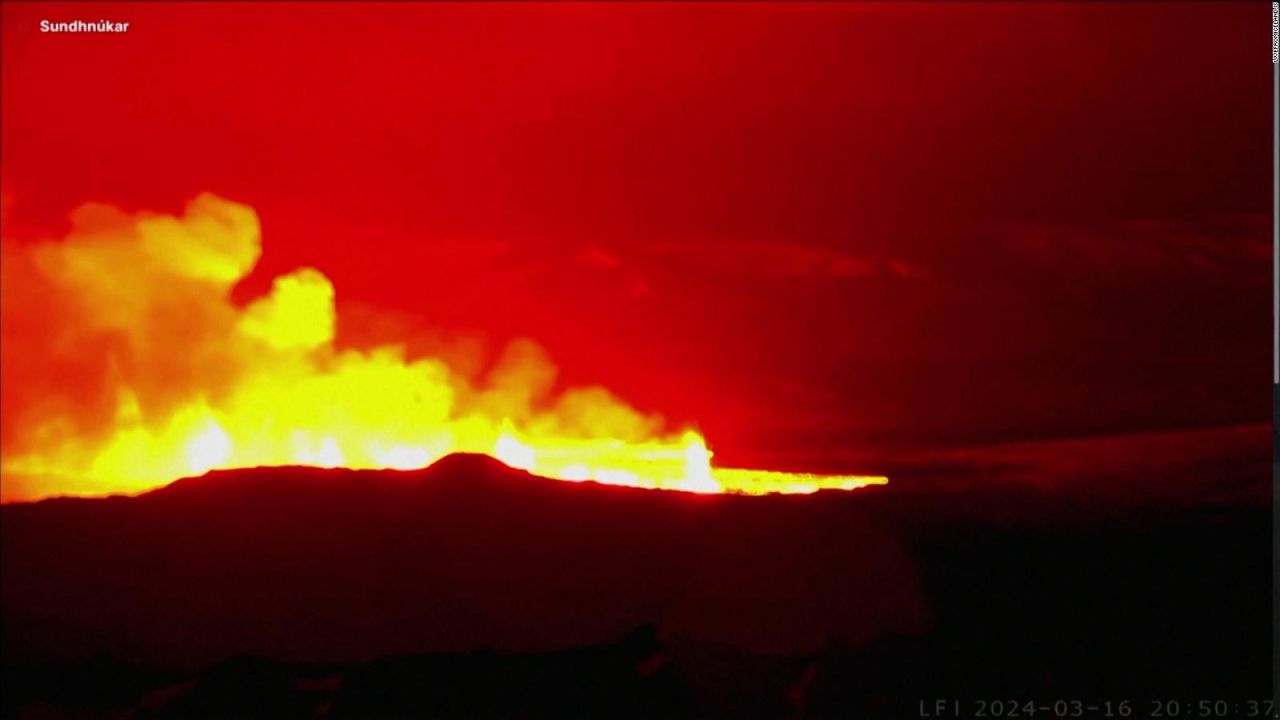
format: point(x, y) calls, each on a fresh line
point(192, 382)
point(135, 461)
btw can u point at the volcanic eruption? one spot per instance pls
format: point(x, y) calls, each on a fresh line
point(127, 365)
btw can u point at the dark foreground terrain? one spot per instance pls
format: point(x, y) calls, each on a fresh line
point(471, 590)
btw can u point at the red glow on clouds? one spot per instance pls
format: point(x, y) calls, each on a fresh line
point(769, 219)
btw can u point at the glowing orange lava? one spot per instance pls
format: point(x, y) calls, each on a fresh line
point(126, 366)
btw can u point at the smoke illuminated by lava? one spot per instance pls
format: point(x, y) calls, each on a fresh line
point(126, 365)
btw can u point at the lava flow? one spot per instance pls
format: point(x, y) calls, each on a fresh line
point(126, 365)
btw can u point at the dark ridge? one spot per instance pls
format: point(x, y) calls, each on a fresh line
point(469, 469)
point(473, 464)
point(455, 467)
point(986, 589)
point(472, 468)
point(300, 562)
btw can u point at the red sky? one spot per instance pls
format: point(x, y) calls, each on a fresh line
point(813, 229)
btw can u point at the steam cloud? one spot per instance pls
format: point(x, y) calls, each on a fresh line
point(126, 364)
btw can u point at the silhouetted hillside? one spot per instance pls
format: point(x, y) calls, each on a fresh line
point(339, 565)
point(473, 590)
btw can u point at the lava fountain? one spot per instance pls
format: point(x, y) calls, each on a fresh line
point(127, 365)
